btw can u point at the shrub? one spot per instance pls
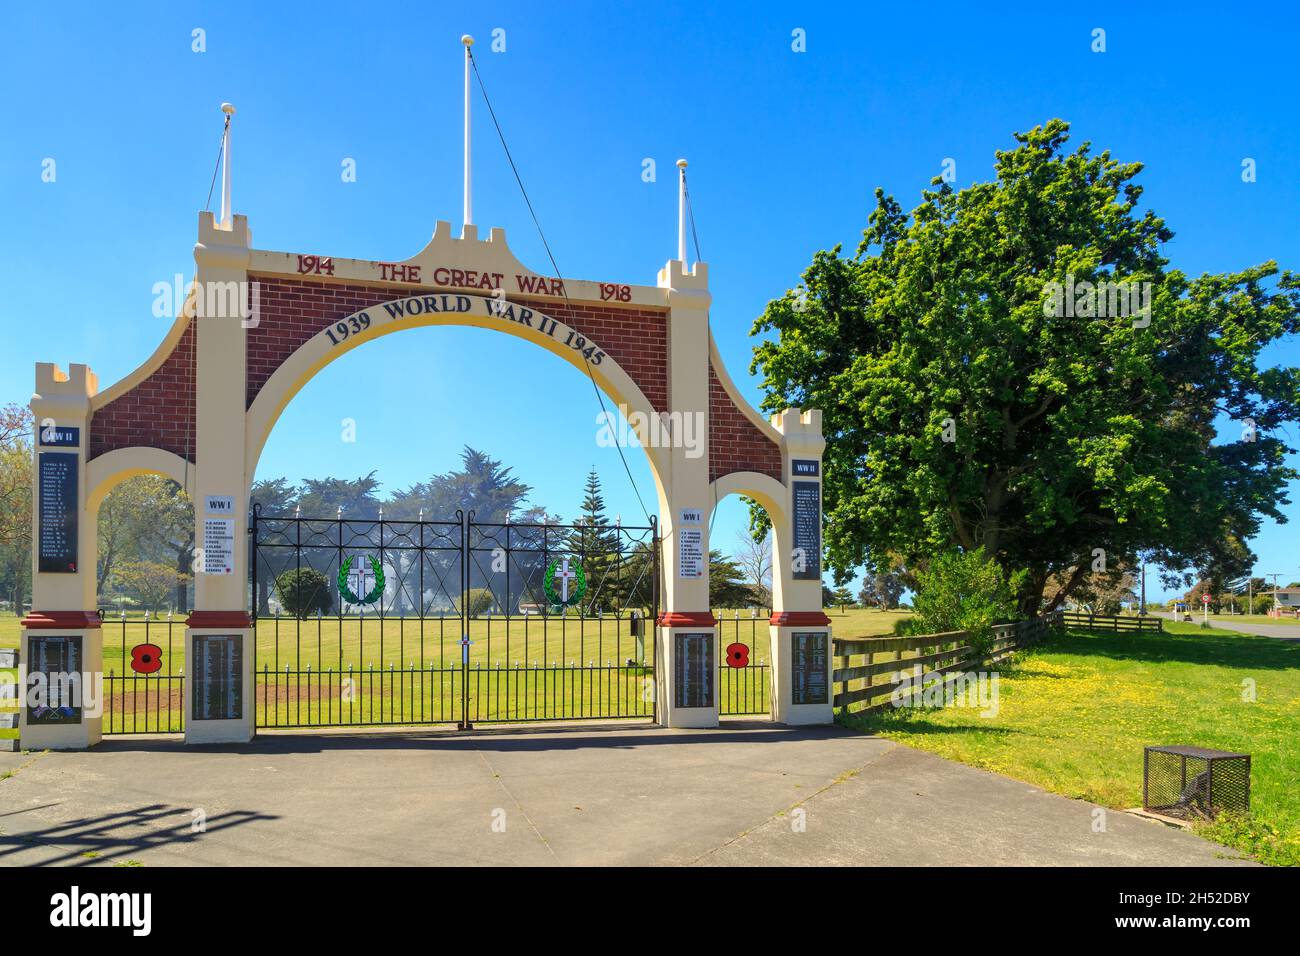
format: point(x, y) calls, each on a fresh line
point(479, 600)
point(303, 592)
point(964, 591)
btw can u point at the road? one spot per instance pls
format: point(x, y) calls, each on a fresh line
point(1287, 632)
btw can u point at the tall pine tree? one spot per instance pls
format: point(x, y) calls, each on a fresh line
point(596, 543)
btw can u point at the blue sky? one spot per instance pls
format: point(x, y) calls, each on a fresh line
point(785, 150)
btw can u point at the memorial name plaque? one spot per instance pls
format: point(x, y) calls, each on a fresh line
point(60, 436)
point(218, 545)
point(58, 661)
point(218, 677)
point(807, 530)
point(809, 667)
point(57, 512)
point(690, 558)
point(805, 468)
point(693, 668)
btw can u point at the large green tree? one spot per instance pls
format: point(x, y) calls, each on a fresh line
point(482, 484)
point(15, 504)
point(970, 403)
point(727, 586)
point(277, 498)
point(323, 497)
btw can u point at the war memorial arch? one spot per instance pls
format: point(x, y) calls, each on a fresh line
point(256, 327)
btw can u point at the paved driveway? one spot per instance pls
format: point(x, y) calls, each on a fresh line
point(1287, 632)
point(633, 795)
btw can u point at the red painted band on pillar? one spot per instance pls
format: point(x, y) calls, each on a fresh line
point(60, 620)
point(231, 619)
point(686, 619)
point(799, 619)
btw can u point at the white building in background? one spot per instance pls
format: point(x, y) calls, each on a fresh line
point(1286, 600)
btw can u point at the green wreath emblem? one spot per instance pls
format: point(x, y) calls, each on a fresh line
point(575, 593)
point(346, 592)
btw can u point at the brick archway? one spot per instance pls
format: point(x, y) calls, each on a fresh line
point(285, 351)
point(157, 408)
point(259, 324)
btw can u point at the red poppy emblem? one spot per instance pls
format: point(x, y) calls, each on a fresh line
point(146, 658)
point(737, 655)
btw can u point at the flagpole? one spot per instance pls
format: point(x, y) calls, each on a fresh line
point(229, 110)
point(681, 211)
point(469, 202)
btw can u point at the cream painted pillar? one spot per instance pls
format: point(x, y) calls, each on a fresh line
point(221, 491)
point(802, 653)
point(62, 629)
point(687, 654)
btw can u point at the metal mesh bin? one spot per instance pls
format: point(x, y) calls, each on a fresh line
point(1194, 783)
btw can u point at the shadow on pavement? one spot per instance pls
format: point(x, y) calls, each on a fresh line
point(116, 836)
point(513, 739)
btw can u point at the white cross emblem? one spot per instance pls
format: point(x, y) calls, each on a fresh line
point(565, 576)
point(360, 576)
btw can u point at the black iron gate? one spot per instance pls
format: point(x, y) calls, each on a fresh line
point(392, 621)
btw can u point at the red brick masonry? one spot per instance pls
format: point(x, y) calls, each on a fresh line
point(735, 443)
point(159, 412)
point(293, 310)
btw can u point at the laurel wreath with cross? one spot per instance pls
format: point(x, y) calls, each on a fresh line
point(373, 595)
point(576, 592)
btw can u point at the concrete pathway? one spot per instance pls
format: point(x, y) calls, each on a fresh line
point(742, 794)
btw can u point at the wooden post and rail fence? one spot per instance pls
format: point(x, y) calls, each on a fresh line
point(1114, 623)
point(860, 663)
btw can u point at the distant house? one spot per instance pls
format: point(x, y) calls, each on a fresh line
point(1287, 599)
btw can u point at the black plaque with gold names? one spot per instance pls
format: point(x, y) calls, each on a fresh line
point(810, 667)
point(218, 677)
point(807, 530)
point(694, 670)
point(57, 659)
point(56, 519)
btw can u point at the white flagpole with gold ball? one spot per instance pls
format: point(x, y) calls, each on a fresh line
point(229, 110)
point(469, 202)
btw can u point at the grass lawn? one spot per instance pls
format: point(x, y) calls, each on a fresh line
point(1075, 713)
